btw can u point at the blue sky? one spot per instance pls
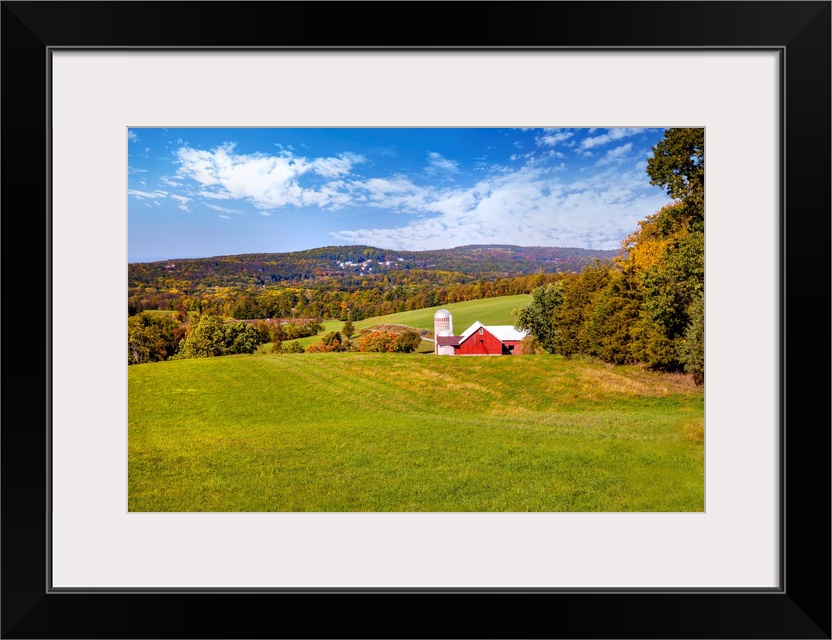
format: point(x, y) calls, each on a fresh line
point(208, 192)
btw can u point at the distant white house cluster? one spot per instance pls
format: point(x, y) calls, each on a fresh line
point(368, 264)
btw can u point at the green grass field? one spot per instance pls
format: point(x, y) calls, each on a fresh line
point(347, 432)
point(487, 311)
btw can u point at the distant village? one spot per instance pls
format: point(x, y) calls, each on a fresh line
point(364, 265)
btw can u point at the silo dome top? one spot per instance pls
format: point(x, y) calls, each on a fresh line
point(442, 313)
point(445, 333)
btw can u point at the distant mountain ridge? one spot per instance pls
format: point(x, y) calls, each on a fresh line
point(477, 261)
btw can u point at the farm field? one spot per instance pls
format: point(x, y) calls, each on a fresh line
point(342, 432)
point(488, 311)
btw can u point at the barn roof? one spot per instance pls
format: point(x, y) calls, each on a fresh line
point(502, 332)
point(444, 341)
point(471, 329)
point(505, 332)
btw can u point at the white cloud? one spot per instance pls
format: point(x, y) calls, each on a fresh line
point(530, 206)
point(438, 161)
point(224, 217)
point(265, 181)
point(218, 208)
point(397, 192)
point(216, 195)
point(147, 194)
point(335, 167)
point(265, 213)
point(183, 202)
point(610, 136)
point(553, 137)
point(617, 154)
point(169, 182)
point(132, 137)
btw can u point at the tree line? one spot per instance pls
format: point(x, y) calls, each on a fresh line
point(647, 305)
point(357, 299)
point(154, 338)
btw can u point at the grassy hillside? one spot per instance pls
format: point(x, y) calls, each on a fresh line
point(487, 311)
point(390, 432)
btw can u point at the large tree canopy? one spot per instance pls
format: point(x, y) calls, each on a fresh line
point(678, 166)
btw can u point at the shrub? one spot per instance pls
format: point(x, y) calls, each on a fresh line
point(211, 336)
point(531, 345)
point(329, 343)
point(384, 342)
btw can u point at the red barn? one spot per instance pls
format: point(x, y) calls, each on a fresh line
point(480, 340)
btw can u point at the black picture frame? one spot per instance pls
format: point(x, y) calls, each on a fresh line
point(800, 608)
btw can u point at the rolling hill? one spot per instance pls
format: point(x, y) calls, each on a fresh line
point(263, 269)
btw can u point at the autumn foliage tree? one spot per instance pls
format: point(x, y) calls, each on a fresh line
point(386, 342)
point(211, 336)
point(152, 338)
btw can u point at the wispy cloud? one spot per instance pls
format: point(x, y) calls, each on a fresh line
point(615, 155)
point(553, 137)
point(147, 194)
point(395, 193)
point(438, 161)
point(224, 217)
point(218, 208)
point(132, 137)
point(183, 202)
point(610, 136)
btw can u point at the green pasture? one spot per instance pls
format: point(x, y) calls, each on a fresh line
point(487, 311)
point(342, 432)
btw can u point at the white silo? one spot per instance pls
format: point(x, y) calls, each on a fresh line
point(443, 325)
point(445, 349)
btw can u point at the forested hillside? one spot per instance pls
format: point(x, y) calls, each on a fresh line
point(350, 282)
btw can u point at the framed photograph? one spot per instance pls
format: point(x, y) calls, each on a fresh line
point(83, 81)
